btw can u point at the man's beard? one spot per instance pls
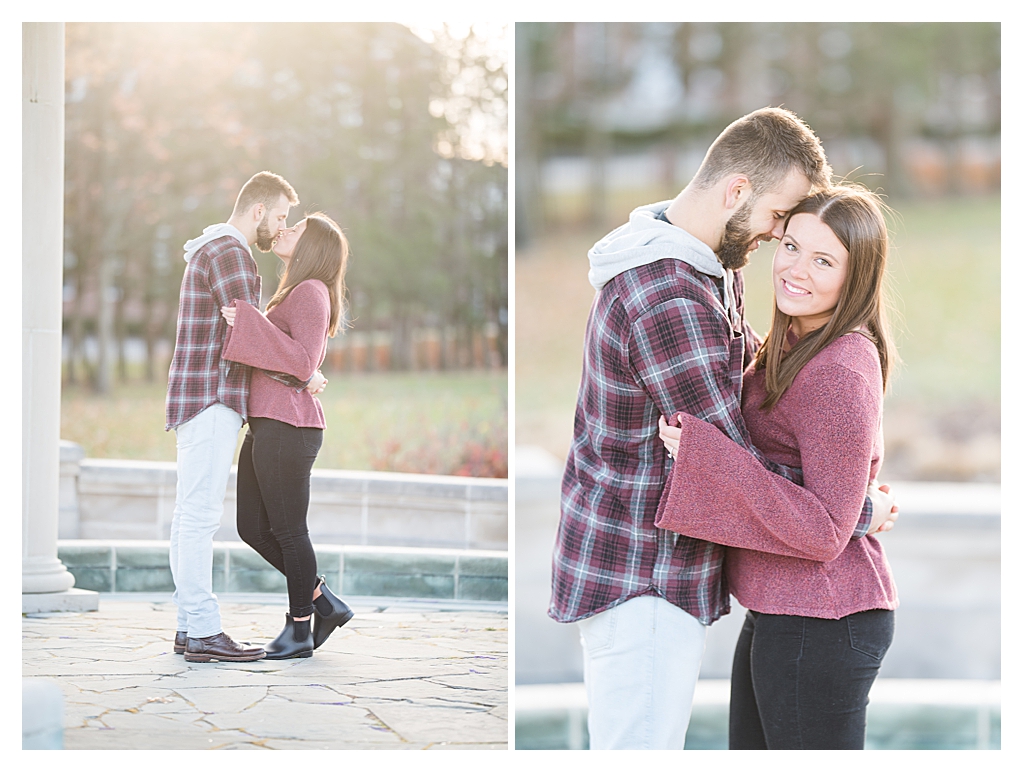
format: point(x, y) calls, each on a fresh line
point(264, 239)
point(734, 250)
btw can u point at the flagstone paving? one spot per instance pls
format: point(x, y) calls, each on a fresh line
point(398, 676)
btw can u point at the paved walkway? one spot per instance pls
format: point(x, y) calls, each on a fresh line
point(398, 676)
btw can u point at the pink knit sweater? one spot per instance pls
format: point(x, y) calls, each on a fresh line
point(291, 338)
point(787, 556)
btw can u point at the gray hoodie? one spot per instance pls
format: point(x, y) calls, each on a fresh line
point(209, 234)
point(645, 239)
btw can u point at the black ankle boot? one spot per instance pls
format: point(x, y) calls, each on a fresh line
point(330, 613)
point(291, 642)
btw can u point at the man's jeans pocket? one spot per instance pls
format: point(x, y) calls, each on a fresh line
point(598, 631)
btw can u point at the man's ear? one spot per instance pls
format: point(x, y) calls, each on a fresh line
point(737, 191)
point(257, 212)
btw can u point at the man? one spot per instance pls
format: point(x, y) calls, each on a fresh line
point(206, 405)
point(666, 334)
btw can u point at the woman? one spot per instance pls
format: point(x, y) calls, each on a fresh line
point(821, 602)
point(286, 423)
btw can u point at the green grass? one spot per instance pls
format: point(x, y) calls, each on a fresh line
point(428, 423)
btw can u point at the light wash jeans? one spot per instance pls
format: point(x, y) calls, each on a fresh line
point(206, 445)
point(641, 660)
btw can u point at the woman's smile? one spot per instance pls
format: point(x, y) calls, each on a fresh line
point(792, 289)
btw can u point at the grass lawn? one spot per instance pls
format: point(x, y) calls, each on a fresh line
point(942, 418)
point(430, 423)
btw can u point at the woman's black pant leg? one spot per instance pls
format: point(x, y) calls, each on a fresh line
point(744, 730)
point(282, 457)
point(251, 517)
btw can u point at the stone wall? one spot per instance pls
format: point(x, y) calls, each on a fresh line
point(113, 499)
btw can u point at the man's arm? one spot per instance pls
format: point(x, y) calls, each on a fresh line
point(314, 385)
point(232, 276)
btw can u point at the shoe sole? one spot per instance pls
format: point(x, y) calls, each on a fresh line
point(212, 658)
point(345, 619)
point(300, 655)
point(181, 649)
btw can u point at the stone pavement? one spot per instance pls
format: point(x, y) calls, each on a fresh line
point(400, 675)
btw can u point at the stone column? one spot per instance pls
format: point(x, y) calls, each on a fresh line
point(45, 582)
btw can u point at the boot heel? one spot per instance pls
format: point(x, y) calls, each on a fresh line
point(324, 624)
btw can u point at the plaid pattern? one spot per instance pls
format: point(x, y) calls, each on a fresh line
point(863, 524)
point(219, 272)
point(658, 341)
point(288, 380)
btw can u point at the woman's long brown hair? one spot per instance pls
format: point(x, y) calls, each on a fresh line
point(321, 253)
point(855, 216)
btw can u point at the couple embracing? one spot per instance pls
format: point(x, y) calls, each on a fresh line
point(706, 462)
point(233, 364)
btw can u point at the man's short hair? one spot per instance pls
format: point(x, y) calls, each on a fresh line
point(765, 146)
point(265, 188)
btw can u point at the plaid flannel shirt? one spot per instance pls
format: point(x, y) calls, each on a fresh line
point(658, 341)
point(219, 272)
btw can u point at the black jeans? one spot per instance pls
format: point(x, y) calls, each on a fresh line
point(273, 500)
point(802, 682)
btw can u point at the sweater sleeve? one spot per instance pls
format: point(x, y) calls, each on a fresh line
point(255, 340)
point(719, 492)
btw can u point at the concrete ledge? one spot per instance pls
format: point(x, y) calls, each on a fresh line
point(117, 499)
point(75, 599)
point(535, 698)
point(406, 572)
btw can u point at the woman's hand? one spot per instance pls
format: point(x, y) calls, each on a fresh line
point(886, 511)
point(229, 314)
point(671, 436)
point(316, 384)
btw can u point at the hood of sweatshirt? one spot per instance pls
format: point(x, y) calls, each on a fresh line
point(645, 239)
point(209, 234)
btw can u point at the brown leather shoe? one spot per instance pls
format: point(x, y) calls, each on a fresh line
point(220, 648)
point(180, 641)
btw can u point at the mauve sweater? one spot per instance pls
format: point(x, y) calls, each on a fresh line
point(782, 560)
point(291, 338)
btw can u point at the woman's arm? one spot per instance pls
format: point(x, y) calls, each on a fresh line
point(255, 340)
point(719, 492)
